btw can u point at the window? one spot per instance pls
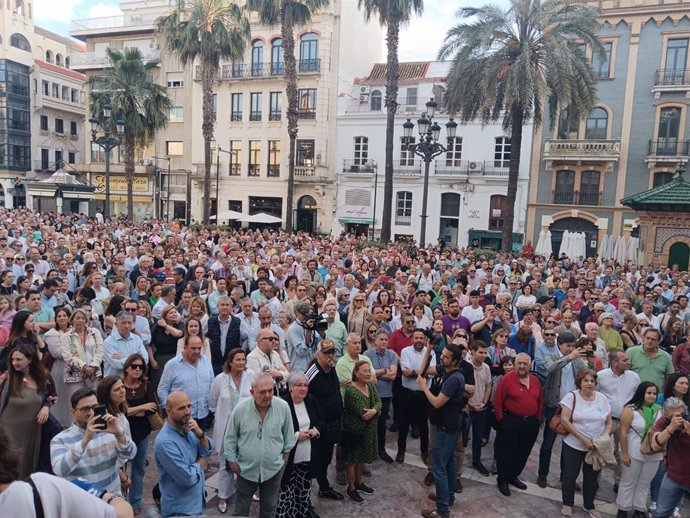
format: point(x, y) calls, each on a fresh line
point(589, 188)
point(254, 158)
point(272, 206)
point(58, 59)
point(235, 205)
point(20, 42)
point(59, 126)
point(403, 208)
point(361, 150)
point(65, 93)
point(44, 123)
point(56, 90)
point(450, 205)
point(454, 153)
point(568, 126)
point(668, 132)
point(176, 114)
point(255, 106)
point(565, 187)
point(306, 104)
point(257, 58)
point(273, 159)
point(19, 152)
point(17, 114)
point(497, 207)
point(602, 67)
point(277, 65)
point(235, 157)
point(596, 124)
point(74, 95)
point(236, 114)
point(662, 179)
point(73, 128)
point(411, 96)
point(174, 148)
point(275, 113)
point(676, 61)
point(214, 105)
point(309, 53)
point(305, 153)
point(175, 79)
point(45, 159)
point(71, 156)
point(406, 154)
point(66, 61)
point(58, 159)
point(45, 87)
point(49, 56)
point(376, 101)
point(502, 152)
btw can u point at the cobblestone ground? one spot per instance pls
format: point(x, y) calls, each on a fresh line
point(400, 492)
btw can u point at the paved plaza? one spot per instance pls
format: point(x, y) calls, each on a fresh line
point(400, 492)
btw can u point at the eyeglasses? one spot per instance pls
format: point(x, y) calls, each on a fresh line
point(549, 334)
point(371, 332)
point(9, 258)
point(271, 338)
point(644, 325)
point(408, 322)
point(137, 366)
point(86, 409)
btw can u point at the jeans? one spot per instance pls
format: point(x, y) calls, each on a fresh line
point(548, 441)
point(573, 461)
point(479, 421)
point(268, 495)
point(381, 423)
point(443, 466)
point(670, 496)
point(138, 467)
point(655, 486)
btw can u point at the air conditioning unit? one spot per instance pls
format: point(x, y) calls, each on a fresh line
point(364, 90)
point(364, 98)
point(476, 166)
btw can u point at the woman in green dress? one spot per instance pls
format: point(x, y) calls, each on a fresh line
point(362, 409)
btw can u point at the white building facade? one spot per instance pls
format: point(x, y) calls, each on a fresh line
point(467, 185)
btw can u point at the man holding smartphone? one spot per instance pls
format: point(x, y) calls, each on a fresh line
point(93, 447)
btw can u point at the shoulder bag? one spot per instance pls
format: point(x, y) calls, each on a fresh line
point(155, 419)
point(556, 422)
point(648, 446)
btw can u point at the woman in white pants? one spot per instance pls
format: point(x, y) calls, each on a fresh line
point(229, 388)
point(637, 419)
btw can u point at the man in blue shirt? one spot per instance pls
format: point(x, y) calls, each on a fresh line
point(191, 373)
point(120, 345)
point(181, 449)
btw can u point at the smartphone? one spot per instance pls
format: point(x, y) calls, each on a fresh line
point(100, 412)
point(589, 353)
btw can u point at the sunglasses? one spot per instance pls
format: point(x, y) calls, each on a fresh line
point(371, 332)
point(549, 334)
point(137, 366)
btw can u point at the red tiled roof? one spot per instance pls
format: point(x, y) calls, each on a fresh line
point(409, 72)
point(61, 70)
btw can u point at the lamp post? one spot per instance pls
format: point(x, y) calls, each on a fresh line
point(160, 188)
point(107, 142)
point(218, 152)
point(428, 148)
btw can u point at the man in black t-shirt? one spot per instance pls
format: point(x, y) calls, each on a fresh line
point(448, 407)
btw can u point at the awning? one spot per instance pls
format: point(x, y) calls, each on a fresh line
point(359, 221)
point(123, 197)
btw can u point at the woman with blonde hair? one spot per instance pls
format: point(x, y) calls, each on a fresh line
point(198, 310)
point(7, 311)
point(357, 314)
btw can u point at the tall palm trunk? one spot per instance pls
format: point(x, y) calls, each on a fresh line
point(129, 176)
point(517, 118)
point(392, 40)
point(207, 77)
point(290, 63)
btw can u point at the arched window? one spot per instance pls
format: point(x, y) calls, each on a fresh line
point(309, 53)
point(277, 55)
point(565, 187)
point(589, 188)
point(58, 59)
point(376, 101)
point(662, 179)
point(49, 56)
point(19, 8)
point(403, 208)
point(19, 41)
point(257, 57)
point(597, 123)
point(66, 61)
point(497, 208)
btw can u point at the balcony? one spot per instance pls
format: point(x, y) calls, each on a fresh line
point(308, 66)
point(234, 169)
point(359, 166)
point(273, 171)
point(311, 174)
point(94, 60)
point(255, 116)
point(454, 168)
point(306, 113)
point(401, 219)
point(126, 23)
point(667, 152)
point(254, 170)
point(407, 167)
point(576, 198)
point(671, 80)
point(607, 151)
point(274, 116)
point(491, 169)
point(236, 117)
point(244, 71)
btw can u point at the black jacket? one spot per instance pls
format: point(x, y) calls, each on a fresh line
point(232, 341)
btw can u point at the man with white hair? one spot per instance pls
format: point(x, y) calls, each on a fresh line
point(592, 332)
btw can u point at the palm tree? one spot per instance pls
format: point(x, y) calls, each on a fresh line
point(143, 105)
point(392, 14)
point(210, 31)
point(290, 14)
point(508, 63)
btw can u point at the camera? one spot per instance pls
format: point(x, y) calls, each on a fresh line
point(314, 322)
point(589, 353)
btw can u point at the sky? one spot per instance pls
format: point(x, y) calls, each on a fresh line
point(420, 40)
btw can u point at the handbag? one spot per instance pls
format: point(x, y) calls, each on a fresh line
point(648, 445)
point(155, 419)
point(556, 422)
point(73, 373)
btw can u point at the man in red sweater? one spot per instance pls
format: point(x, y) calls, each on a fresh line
point(518, 404)
point(399, 339)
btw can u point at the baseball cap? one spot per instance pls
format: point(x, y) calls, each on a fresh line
point(326, 346)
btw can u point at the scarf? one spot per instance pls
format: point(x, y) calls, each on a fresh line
point(648, 412)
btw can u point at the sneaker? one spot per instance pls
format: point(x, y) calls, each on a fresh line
point(383, 455)
point(331, 494)
point(429, 479)
point(363, 488)
point(340, 478)
point(676, 513)
point(354, 496)
point(593, 513)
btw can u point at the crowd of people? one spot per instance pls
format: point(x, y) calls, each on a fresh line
point(269, 352)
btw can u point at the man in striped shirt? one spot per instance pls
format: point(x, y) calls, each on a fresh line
point(87, 449)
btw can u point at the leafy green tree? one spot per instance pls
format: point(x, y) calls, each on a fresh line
point(392, 14)
point(514, 64)
point(208, 31)
point(290, 14)
point(135, 99)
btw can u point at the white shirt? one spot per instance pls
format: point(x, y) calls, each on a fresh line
point(411, 359)
point(303, 450)
point(589, 417)
point(617, 389)
point(473, 315)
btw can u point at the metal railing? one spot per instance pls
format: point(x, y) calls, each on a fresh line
point(407, 167)
point(577, 198)
point(351, 165)
point(273, 171)
point(274, 116)
point(306, 113)
point(259, 70)
point(255, 116)
point(235, 169)
point(308, 66)
point(668, 147)
point(113, 22)
point(254, 170)
point(99, 59)
point(454, 168)
point(403, 220)
point(672, 77)
point(236, 116)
